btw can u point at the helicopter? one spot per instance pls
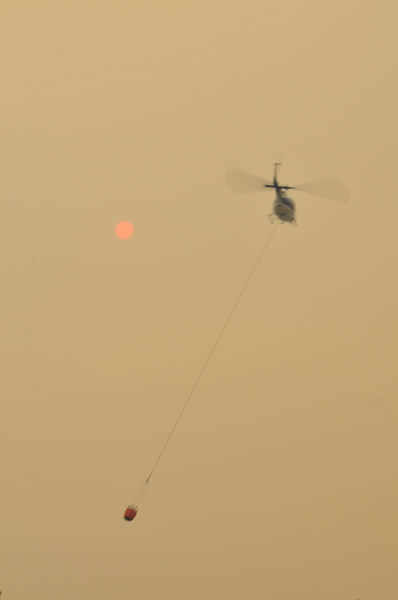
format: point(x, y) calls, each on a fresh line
point(283, 209)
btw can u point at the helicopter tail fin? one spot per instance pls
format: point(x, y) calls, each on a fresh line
point(276, 165)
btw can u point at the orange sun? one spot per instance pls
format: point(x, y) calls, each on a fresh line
point(124, 230)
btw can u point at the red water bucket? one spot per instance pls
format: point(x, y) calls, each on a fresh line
point(130, 512)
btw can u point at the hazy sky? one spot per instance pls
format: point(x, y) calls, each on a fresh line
point(281, 481)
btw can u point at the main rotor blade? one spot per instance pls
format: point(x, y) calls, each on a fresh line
point(329, 188)
point(242, 182)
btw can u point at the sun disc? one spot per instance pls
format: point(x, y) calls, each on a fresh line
point(124, 230)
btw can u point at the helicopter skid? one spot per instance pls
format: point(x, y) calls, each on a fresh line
point(275, 219)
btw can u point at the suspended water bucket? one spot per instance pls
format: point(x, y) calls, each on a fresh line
point(130, 512)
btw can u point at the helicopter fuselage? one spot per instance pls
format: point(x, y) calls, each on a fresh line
point(284, 208)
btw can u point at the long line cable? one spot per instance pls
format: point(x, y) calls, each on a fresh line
point(212, 350)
